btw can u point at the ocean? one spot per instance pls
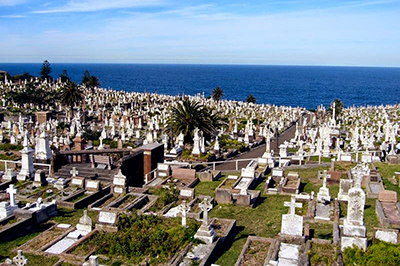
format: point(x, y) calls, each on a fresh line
point(306, 86)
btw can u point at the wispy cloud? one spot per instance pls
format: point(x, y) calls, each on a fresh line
point(13, 16)
point(11, 2)
point(97, 5)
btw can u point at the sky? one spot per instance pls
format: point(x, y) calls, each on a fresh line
point(267, 32)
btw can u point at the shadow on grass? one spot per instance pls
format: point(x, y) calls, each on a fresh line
point(260, 201)
point(228, 244)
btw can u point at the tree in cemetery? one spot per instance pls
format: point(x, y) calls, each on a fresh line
point(64, 76)
point(71, 94)
point(90, 81)
point(338, 107)
point(46, 70)
point(187, 115)
point(251, 99)
point(217, 94)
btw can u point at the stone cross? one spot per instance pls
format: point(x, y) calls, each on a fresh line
point(184, 208)
point(20, 259)
point(120, 175)
point(324, 178)
point(205, 206)
point(74, 172)
point(12, 191)
point(293, 205)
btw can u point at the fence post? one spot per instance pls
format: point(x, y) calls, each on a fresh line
point(237, 165)
point(319, 159)
point(213, 166)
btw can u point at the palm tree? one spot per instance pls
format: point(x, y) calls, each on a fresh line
point(188, 115)
point(217, 94)
point(251, 99)
point(70, 95)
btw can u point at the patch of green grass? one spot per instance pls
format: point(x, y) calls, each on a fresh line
point(334, 190)
point(322, 230)
point(34, 259)
point(264, 220)
point(344, 166)
point(68, 216)
point(370, 218)
point(323, 159)
point(321, 254)
point(387, 171)
point(6, 248)
point(207, 188)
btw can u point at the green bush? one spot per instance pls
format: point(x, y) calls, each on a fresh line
point(379, 253)
point(10, 147)
point(140, 237)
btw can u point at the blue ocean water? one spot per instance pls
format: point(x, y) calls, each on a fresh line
point(307, 86)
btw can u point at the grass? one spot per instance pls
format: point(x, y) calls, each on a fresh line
point(322, 254)
point(41, 260)
point(321, 230)
point(207, 188)
point(387, 171)
point(323, 159)
point(7, 247)
point(370, 218)
point(68, 216)
point(264, 220)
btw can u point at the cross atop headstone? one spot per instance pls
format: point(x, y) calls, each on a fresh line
point(12, 192)
point(293, 205)
point(205, 206)
point(184, 208)
point(20, 259)
point(74, 172)
point(326, 175)
point(120, 174)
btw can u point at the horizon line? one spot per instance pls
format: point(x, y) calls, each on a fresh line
point(207, 64)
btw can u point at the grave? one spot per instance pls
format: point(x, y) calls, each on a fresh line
point(40, 178)
point(353, 231)
point(388, 208)
point(107, 221)
point(387, 235)
point(292, 224)
point(205, 232)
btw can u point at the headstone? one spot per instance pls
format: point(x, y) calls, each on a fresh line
point(354, 230)
point(109, 218)
point(184, 208)
point(9, 175)
point(40, 178)
point(61, 183)
point(387, 235)
point(27, 169)
point(205, 232)
point(92, 185)
point(344, 187)
point(19, 260)
point(12, 193)
point(119, 183)
point(74, 172)
point(323, 194)
point(6, 210)
point(85, 222)
point(93, 261)
point(292, 224)
point(78, 181)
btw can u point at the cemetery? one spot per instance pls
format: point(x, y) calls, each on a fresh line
point(119, 180)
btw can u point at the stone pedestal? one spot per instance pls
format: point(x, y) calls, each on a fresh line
point(206, 234)
point(6, 210)
point(40, 178)
point(27, 169)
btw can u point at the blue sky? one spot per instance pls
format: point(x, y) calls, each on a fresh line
point(288, 32)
